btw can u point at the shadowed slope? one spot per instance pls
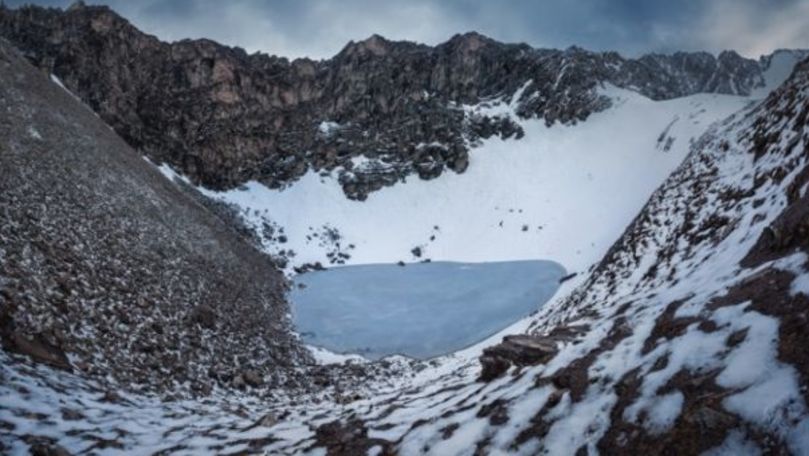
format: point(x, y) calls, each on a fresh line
point(103, 258)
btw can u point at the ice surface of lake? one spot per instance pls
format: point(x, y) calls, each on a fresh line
point(420, 310)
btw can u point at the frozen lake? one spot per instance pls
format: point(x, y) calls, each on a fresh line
point(421, 310)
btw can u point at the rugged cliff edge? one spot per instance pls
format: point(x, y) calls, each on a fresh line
point(224, 117)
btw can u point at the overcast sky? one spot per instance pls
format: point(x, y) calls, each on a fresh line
point(319, 28)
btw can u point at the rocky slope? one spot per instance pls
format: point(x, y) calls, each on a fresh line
point(224, 117)
point(687, 339)
point(108, 269)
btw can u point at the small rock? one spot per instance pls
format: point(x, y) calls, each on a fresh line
point(252, 378)
point(71, 415)
point(568, 277)
point(348, 438)
point(43, 448)
point(267, 420)
point(204, 315)
point(111, 396)
point(737, 337)
point(39, 349)
point(709, 418)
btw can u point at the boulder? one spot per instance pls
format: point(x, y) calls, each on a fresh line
point(252, 378)
point(204, 315)
point(515, 350)
point(43, 447)
point(37, 348)
point(349, 438)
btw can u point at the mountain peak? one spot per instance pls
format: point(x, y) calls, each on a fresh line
point(375, 44)
point(470, 41)
point(376, 84)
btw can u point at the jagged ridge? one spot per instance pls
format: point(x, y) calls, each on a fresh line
point(224, 117)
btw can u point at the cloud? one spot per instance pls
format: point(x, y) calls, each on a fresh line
point(755, 28)
point(317, 29)
point(320, 28)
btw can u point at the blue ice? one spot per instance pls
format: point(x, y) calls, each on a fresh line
point(420, 310)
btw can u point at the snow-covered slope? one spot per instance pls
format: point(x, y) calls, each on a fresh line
point(692, 330)
point(689, 338)
point(563, 193)
point(777, 68)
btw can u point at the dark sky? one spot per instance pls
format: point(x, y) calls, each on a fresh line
point(319, 28)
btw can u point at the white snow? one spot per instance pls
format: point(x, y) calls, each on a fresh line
point(663, 413)
point(794, 264)
point(327, 128)
point(778, 69)
point(800, 285)
point(754, 359)
point(58, 82)
point(735, 444)
point(323, 356)
point(766, 402)
point(568, 185)
point(141, 423)
point(32, 132)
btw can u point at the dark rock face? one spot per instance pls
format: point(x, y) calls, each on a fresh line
point(103, 258)
point(38, 347)
point(348, 439)
point(44, 447)
point(517, 350)
point(204, 315)
point(223, 117)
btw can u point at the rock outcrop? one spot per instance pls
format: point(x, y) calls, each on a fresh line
point(376, 112)
point(517, 350)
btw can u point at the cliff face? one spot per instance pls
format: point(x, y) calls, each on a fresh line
point(104, 260)
point(224, 117)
